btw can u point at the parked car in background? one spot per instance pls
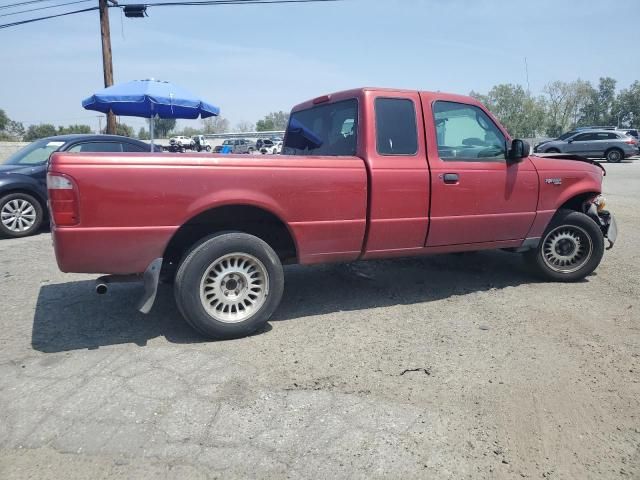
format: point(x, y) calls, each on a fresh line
point(236, 145)
point(182, 141)
point(271, 148)
point(200, 143)
point(264, 143)
point(629, 131)
point(595, 127)
point(610, 144)
point(537, 147)
point(23, 189)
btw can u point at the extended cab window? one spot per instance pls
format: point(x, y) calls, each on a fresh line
point(465, 132)
point(329, 129)
point(396, 129)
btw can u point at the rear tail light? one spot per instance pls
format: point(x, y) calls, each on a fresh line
point(631, 141)
point(63, 200)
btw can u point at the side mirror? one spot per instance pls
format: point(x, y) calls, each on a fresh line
point(570, 141)
point(519, 150)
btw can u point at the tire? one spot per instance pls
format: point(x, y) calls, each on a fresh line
point(229, 285)
point(208, 148)
point(614, 155)
point(570, 249)
point(28, 219)
point(552, 150)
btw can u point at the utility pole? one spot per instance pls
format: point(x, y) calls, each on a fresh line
point(107, 64)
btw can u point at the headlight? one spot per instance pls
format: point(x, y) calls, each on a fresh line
point(600, 203)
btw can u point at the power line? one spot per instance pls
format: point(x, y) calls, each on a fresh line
point(44, 8)
point(22, 22)
point(2, 7)
point(229, 2)
point(167, 4)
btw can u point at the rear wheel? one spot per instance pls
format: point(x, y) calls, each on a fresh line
point(571, 248)
point(229, 285)
point(614, 155)
point(20, 215)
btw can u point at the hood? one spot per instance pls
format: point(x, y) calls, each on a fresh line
point(20, 169)
point(567, 162)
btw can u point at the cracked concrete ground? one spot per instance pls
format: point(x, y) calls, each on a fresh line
point(457, 366)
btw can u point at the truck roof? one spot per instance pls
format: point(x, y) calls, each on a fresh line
point(359, 92)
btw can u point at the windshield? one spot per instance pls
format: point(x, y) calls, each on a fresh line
point(329, 129)
point(34, 153)
point(564, 136)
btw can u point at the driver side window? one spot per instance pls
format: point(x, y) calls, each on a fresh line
point(466, 133)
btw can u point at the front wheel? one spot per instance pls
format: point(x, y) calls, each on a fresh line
point(229, 285)
point(571, 248)
point(20, 215)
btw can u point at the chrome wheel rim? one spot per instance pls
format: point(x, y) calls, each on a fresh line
point(234, 287)
point(18, 215)
point(567, 249)
point(614, 156)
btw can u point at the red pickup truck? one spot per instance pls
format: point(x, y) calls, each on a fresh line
point(366, 173)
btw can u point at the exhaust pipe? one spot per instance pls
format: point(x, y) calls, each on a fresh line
point(102, 283)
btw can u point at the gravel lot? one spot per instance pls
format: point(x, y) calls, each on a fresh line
point(457, 366)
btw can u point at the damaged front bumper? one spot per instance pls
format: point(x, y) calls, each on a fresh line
point(606, 220)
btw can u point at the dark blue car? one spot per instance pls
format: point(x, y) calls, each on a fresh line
point(23, 177)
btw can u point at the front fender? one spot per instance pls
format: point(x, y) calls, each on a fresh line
point(15, 181)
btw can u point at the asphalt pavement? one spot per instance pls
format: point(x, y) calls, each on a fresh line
point(452, 366)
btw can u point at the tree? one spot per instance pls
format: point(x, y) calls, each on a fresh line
point(34, 132)
point(4, 120)
point(13, 131)
point(190, 131)
point(143, 134)
point(628, 103)
point(245, 127)
point(273, 121)
point(216, 124)
point(564, 104)
point(521, 114)
point(163, 126)
point(9, 129)
point(599, 109)
point(124, 130)
point(74, 129)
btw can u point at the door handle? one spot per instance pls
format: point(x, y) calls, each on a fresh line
point(450, 178)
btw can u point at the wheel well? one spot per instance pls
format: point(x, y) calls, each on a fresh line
point(576, 203)
point(31, 193)
point(241, 218)
point(613, 148)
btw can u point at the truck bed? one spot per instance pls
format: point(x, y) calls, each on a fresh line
point(132, 204)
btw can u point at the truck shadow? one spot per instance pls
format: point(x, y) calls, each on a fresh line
point(381, 283)
point(71, 316)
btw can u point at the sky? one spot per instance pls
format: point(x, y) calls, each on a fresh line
point(253, 59)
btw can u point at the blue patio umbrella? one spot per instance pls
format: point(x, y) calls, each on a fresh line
point(150, 98)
